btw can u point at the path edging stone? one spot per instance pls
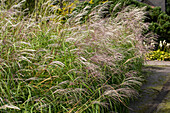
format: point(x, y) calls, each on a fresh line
point(157, 63)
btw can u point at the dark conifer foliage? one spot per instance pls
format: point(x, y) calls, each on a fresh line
point(168, 7)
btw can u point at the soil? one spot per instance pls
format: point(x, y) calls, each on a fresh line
point(154, 96)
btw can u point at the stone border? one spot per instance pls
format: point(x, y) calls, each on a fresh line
point(157, 63)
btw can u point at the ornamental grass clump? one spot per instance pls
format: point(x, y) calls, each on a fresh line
point(46, 66)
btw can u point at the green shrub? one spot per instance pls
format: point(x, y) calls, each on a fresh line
point(168, 7)
point(160, 24)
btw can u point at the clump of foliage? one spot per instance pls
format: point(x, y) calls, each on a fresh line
point(168, 7)
point(63, 7)
point(160, 24)
point(159, 21)
point(30, 5)
point(158, 55)
point(163, 52)
point(68, 9)
point(46, 66)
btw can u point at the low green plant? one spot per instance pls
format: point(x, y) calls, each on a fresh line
point(158, 55)
point(163, 52)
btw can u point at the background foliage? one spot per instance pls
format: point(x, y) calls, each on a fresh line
point(168, 7)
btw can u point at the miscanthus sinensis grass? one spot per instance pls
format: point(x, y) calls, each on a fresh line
point(46, 66)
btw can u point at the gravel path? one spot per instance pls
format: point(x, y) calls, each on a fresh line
point(155, 93)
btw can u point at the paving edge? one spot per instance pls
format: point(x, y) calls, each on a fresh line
point(157, 63)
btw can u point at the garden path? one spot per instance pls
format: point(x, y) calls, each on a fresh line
point(155, 93)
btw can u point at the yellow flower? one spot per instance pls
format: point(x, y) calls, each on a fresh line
point(105, 1)
point(91, 1)
point(162, 52)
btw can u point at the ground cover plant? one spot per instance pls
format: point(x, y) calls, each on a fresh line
point(48, 66)
point(162, 54)
point(158, 55)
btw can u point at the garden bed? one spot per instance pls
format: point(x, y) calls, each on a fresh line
point(84, 59)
